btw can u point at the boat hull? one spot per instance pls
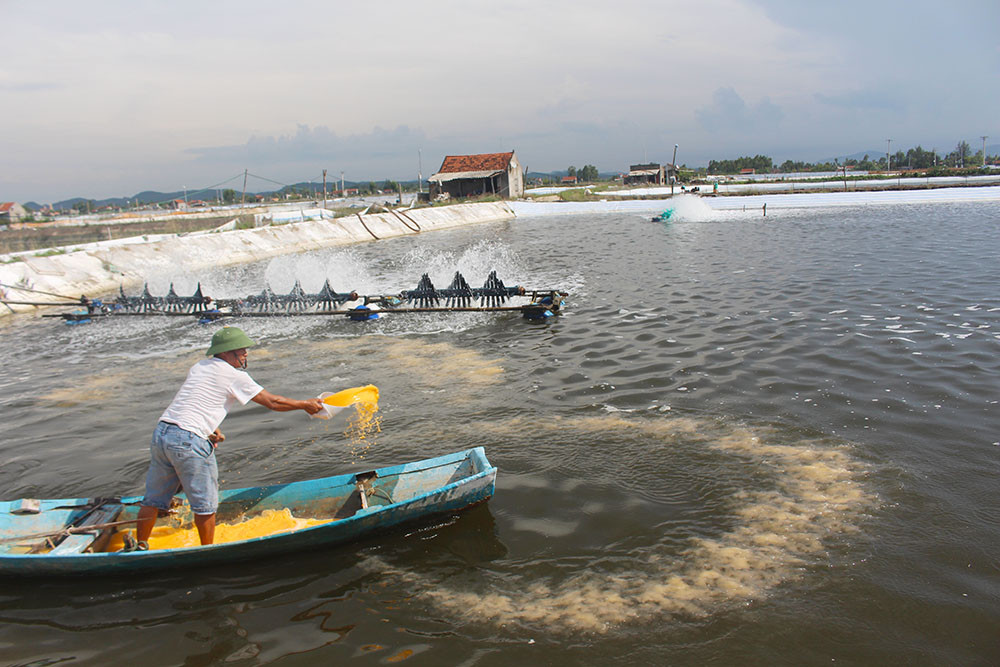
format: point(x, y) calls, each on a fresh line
point(397, 495)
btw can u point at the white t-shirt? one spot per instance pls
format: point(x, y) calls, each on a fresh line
point(211, 390)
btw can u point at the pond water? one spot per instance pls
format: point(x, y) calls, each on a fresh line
point(745, 440)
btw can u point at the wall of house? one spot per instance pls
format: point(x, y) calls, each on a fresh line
point(515, 179)
point(15, 213)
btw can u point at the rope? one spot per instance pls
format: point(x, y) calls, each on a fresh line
point(404, 218)
point(366, 227)
point(38, 291)
point(38, 303)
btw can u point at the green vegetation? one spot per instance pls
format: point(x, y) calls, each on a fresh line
point(760, 163)
point(937, 164)
point(51, 252)
point(583, 194)
point(587, 174)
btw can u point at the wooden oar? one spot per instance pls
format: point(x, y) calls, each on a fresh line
point(72, 530)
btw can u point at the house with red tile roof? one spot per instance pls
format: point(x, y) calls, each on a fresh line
point(12, 212)
point(478, 175)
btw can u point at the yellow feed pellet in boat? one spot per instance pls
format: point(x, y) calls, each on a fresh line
point(268, 522)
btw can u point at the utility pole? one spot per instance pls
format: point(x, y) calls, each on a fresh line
point(984, 138)
point(342, 193)
point(888, 159)
point(324, 188)
point(243, 199)
point(420, 172)
point(673, 166)
point(185, 195)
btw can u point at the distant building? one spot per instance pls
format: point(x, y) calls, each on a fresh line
point(179, 205)
point(652, 173)
point(12, 212)
point(569, 180)
point(477, 175)
point(748, 172)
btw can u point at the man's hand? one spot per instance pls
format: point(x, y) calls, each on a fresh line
point(215, 437)
point(282, 404)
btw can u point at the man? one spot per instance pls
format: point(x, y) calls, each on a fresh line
point(182, 453)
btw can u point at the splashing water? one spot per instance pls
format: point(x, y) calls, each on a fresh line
point(690, 208)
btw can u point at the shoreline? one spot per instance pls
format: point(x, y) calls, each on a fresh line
point(99, 268)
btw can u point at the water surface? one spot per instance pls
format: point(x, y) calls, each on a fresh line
point(746, 440)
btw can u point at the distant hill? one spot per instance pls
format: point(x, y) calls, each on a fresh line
point(156, 197)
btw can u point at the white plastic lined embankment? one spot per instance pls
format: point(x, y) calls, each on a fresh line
point(100, 268)
point(773, 201)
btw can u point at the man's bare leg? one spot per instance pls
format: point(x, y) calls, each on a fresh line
point(206, 527)
point(146, 522)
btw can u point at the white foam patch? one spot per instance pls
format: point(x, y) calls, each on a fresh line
point(428, 366)
point(814, 495)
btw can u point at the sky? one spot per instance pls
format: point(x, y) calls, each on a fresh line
point(109, 99)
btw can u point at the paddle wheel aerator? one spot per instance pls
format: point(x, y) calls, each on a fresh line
point(459, 296)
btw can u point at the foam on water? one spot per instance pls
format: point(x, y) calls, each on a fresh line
point(814, 494)
point(429, 366)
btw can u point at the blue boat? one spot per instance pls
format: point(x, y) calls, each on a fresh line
point(67, 537)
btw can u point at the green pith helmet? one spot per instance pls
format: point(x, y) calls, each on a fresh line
point(227, 339)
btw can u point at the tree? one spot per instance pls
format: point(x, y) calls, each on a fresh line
point(571, 171)
point(759, 163)
point(589, 174)
point(962, 151)
point(390, 186)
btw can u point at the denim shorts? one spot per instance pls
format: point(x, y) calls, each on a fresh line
point(181, 459)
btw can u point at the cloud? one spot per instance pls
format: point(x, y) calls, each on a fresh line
point(318, 143)
point(729, 113)
point(862, 100)
point(28, 86)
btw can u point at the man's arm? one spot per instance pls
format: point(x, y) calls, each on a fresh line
point(284, 404)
